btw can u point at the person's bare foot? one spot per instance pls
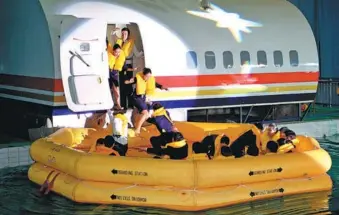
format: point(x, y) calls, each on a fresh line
point(137, 132)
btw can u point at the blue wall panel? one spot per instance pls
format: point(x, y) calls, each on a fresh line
point(24, 29)
point(323, 17)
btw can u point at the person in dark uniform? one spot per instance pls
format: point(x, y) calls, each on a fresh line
point(170, 142)
point(211, 145)
point(145, 86)
point(127, 44)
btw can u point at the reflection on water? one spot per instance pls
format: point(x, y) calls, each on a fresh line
point(20, 196)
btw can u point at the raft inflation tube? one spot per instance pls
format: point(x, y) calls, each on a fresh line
point(187, 185)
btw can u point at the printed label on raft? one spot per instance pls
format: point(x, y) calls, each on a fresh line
point(266, 192)
point(128, 198)
point(261, 172)
point(127, 172)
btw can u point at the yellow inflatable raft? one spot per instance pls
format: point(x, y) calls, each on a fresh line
point(192, 184)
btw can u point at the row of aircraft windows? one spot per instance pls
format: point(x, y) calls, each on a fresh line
point(210, 61)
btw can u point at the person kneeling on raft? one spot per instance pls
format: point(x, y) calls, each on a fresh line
point(245, 144)
point(108, 146)
point(173, 141)
point(270, 133)
point(285, 144)
point(145, 86)
point(171, 144)
point(220, 144)
point(210, 145)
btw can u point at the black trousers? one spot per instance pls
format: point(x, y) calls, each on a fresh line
point(126, 90)
point(121, 149)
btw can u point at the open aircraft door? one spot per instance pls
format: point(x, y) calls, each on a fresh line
point(84, 64)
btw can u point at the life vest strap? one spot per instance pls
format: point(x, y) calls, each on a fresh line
point(177, 144)
point(162, 112)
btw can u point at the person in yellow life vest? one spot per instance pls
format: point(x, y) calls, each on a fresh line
point(161, 119)
point(116, 62)
point(285, 144)
point(119, 123)
point(109, 46)
point(127, 45)
point(270, 133)
point(145, 86)
point(211, 145)
point(172, 144)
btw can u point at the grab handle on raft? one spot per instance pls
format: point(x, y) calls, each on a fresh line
point(48, 185)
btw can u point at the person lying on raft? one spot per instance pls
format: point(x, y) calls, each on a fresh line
point(108, 146)
point(145, 86)
point(211, 145)
point(172, 144)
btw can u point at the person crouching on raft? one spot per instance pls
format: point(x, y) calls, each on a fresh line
point(172, 144)
point(244, 144)
point(145, 86)
point(211, 145)
point(286, 142)
point(270, 133)
point(173, 141)
point(170, 138)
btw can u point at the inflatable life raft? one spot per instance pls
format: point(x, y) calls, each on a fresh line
point(193, 184)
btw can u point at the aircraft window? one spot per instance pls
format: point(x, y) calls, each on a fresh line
point(278, 58)
point(262, 58)
point(210, 60)
point(294, 58)
point(228, 59)
point(245, 57)
point(191, 60)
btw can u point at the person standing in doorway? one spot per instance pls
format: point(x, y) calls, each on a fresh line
point(127, 45)
point(116, 60)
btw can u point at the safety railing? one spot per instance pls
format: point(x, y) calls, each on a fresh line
point(327, 93)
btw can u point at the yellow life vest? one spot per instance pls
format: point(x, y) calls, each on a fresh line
point(217, 145)
point(285, 148)
point(177, 144)
point(162, 112)
point(109, 48)
point(116, 63)
point(105, 150)
point(145, 87)
point(265, 138)
point(127, 47)
point(124, 123)
point(120, 61)
point(111, 60)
